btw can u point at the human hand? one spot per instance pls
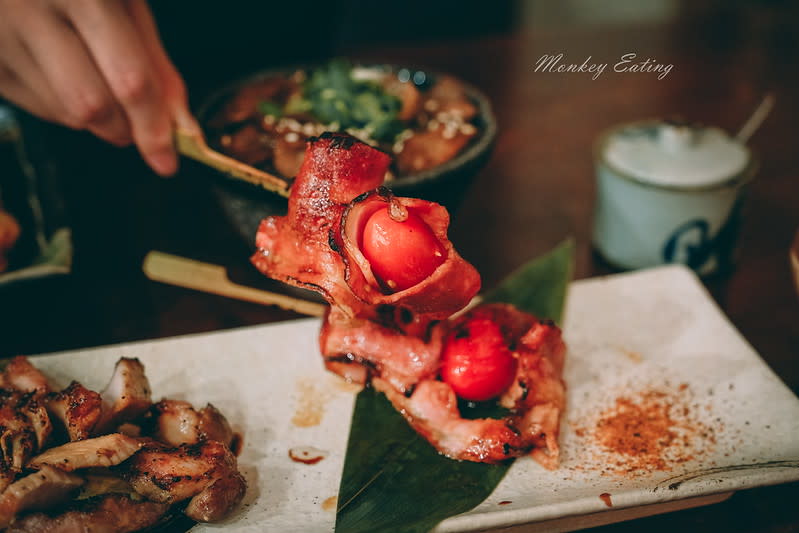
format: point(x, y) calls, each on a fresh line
point(97, 65)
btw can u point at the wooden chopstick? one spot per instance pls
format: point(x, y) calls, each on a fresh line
point(193, 145)
point(207, 277)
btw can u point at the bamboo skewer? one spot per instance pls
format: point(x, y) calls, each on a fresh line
point(206, 277)
point(756, 119)
point(192, 144)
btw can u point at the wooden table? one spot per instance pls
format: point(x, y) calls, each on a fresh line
point(537, 189)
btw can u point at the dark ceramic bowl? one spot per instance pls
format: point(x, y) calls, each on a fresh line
point(245, 205)
point(30, 190)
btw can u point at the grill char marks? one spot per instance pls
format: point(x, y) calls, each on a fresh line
point(205, 473)
point(47, 487)
point(77, 408)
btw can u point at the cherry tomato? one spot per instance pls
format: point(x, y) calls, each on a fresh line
point(401, 253)
point(477, 362)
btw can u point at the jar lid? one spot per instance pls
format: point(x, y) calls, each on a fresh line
point(675, 155)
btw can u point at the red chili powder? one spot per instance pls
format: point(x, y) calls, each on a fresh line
point(650, 430)
point(640, 430)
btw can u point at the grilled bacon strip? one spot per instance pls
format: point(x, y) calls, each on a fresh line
point(394, 334)
point(401, 359)
point(536, 399)
point(316, 245)
point(296, 248)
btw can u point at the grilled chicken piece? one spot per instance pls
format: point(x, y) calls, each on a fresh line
point(205, 472)
point(24, 428)
point(131, 430)
point(37, 415)
point(21, 375)
point(430, 148)
point(114, 513)
point(45, 488)
point(78, 408)
point(179, 423)
point(17, 439)
point(108, 450)
point(218, 499)
point(214, 426)
point(126, 396)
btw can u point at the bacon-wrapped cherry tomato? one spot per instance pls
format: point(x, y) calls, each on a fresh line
point(401, 253)
point(477, 362)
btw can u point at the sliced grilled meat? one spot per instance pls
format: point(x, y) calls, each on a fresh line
point(108, 450)
point(179, 423)
point(78, 408)
point(21, 375)
point(214, 425)
point(114, 513)
point(24, 428)
point(205, 472)
point(46, 488)
point(126, 396)
point(218, 499)
point(36, 413)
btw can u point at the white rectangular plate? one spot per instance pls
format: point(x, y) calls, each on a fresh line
point(626, 333)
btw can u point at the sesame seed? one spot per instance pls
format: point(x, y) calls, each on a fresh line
point(226, 140)
point(404, 135)
point(432, 125)
point(431, 105)
point(292, 124)
point(292, 137)
point(468, 129)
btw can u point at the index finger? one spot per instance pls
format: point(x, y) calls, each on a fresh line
point(171, 80)
point(121, 55)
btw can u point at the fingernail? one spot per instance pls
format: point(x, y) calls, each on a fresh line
point(164, 163)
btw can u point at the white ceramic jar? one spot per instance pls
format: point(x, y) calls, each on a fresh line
point(669, 192)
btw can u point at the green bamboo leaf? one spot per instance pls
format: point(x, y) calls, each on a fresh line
point(539, 287)
point(393, 479)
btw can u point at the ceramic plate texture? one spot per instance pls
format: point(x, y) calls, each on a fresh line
point(646, 342)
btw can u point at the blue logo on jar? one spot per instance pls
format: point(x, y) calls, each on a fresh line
point(690, 244)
